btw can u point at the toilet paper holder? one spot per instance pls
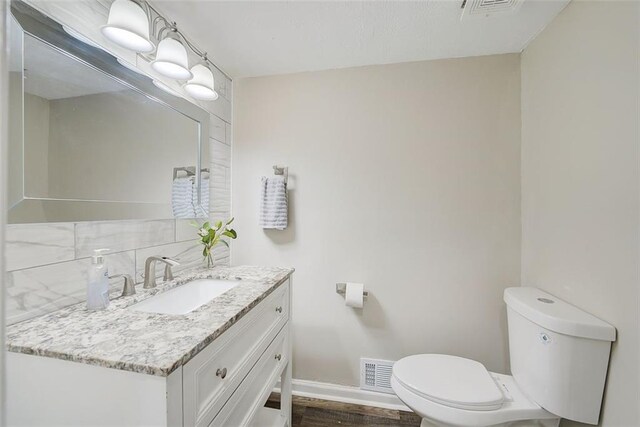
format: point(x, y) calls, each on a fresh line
point(341, 288)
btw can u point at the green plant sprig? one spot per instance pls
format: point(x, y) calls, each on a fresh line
point(210, 237)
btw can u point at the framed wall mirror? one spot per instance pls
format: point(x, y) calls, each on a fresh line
point(90, 139)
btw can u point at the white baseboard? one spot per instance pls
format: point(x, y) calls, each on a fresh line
point(345, 394)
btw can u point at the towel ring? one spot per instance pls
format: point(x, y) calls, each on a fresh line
point(189, 170)
point(282, 170)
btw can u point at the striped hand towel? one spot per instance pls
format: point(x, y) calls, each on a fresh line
point(204, 193)
point(273, 203)
point(181, 198)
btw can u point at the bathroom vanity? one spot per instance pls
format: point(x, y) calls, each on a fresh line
point(205, 349)
point(213, 366)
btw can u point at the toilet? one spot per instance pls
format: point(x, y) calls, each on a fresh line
point(559, 356)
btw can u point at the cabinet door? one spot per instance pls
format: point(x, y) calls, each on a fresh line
point(212, 375)
point(249, 398)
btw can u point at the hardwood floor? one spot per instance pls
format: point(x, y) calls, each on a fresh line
point(309, 412)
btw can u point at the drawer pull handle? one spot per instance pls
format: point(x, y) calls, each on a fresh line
point(221, 373)
point(278, 357)
point(279, 309)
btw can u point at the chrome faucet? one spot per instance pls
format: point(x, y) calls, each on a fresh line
point(150, 270)
point(129, 286)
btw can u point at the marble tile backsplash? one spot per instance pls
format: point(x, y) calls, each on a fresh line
point(40, 290)
point(48, 264)
point(120, 236)
point(39, 244)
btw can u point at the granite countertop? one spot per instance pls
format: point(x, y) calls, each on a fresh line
point(149, 343)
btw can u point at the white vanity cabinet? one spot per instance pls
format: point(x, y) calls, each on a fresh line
point(225, 384)
point(232, 377)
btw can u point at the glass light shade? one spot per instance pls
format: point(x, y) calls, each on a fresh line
point(201, 86)
point(171, 60)
point(128, 26)
point(166, 88)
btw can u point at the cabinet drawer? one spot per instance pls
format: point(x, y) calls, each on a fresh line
point(249, 398)
point(212, 375)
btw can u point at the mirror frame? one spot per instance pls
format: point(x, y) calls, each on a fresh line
point(49, 31)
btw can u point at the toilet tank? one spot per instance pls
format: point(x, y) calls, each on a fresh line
point(559, 354)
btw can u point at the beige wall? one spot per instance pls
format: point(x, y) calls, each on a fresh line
point(580, 182)
point(405, 177)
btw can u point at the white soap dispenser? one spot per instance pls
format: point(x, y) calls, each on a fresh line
point(98, 286)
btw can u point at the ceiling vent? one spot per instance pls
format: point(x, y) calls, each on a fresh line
point(489, 8)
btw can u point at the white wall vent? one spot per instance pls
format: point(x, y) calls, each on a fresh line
point(488, 8)
point(375, 375)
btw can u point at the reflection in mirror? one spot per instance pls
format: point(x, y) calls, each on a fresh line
point(86, 146)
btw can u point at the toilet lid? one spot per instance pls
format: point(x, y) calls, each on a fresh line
point(449, 380)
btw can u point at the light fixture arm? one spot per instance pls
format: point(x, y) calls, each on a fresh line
point(159, 19)
point(166, 27)
point(171, 31)
point(195, 50)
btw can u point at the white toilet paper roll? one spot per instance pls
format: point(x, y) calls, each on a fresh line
point(354, 295)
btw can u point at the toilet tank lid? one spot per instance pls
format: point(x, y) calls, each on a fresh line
point(556, 315)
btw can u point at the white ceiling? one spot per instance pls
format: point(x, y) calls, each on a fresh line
point(253, 38)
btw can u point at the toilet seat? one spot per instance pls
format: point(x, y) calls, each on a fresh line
point(449, 380)
point(432, 403)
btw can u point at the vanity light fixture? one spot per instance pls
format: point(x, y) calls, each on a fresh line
point(128, 26)
point(136, 25)
point(201, 86)
point(166, 88)
point(171, 57)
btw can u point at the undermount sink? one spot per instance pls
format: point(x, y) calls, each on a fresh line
point(185, 298)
